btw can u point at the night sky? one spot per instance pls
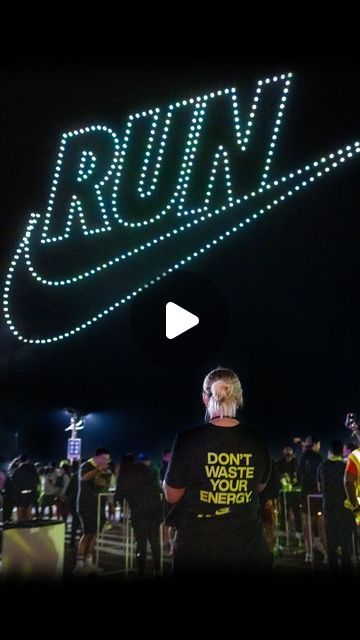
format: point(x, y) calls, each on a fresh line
point(290, 280)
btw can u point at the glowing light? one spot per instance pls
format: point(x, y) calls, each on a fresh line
point(104, 185)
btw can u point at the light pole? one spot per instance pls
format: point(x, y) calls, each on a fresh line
point(77, 423)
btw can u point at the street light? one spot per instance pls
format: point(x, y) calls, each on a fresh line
point(77, 423)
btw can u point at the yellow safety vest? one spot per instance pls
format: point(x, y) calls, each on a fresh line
point(355, 458)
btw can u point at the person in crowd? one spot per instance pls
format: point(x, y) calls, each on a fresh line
point(348, 448)
point(62, 482)
point(70, 505)
point(139, 485)
point(352, 484)
point(290, 494)
point(268, 500)
point(94, 477)
point(338, 520)
point(214, 478)
point(24, 482)
point(311, 504)
point(51, 488)
point(111, 481)
point(39, 470)
point(8, 491)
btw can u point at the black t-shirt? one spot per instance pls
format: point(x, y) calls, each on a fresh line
point(25, 478)
point(90, 489)
point(140, 486)
point(309, 463)
point(330, 476)
point(221, 468)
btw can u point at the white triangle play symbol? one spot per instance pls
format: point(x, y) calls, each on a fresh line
point(178, 320)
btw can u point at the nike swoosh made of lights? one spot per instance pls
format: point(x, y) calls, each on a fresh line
point(193, 230)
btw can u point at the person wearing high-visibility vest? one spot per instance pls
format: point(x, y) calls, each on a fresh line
point(352, 484)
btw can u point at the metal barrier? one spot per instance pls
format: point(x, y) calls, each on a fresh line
point(128, 536)
point(308, 498)
point(283, 506)
point(286, 520)
point(98, 521)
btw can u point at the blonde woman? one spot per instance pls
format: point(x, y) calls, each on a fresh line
point(214, 477)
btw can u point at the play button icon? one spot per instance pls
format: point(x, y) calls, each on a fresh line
point(178, 320)
point(181, 321)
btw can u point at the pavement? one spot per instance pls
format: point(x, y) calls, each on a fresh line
point(114, 558)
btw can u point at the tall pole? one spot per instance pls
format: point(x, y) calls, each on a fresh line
point(74, 443)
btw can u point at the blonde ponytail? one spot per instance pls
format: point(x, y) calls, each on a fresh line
point(222, 393)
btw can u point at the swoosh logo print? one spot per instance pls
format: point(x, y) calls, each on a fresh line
point(126, 210)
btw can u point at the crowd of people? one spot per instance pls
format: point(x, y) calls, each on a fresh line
point(219, 497)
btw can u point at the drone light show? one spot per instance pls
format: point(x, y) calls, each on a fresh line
point(131, 206)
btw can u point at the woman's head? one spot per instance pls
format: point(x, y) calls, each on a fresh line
point(222, 393)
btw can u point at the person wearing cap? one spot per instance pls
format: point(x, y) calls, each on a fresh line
point(214, 477)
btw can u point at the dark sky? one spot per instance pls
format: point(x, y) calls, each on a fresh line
point(290, 281)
